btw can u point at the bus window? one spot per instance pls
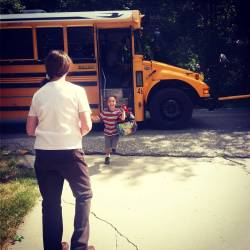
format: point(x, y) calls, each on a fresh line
point(47, 40)
point(138, 42)
point(81, 44)
point(11, 49)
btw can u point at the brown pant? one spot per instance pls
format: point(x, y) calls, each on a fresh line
point(52, 167)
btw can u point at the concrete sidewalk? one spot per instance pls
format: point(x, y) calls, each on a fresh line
point(159, 203)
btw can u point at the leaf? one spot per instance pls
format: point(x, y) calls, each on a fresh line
point(16, 238)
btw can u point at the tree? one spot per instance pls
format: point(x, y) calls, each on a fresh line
point(10, 6)
point(188, 33)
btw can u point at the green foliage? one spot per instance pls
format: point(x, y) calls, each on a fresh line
point(17, 198)
point(17, 238)
point(10, 6)
point(18, 194)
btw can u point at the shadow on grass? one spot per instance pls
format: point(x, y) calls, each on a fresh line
point(11, 170)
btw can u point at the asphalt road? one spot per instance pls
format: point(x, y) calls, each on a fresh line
point(223, 132)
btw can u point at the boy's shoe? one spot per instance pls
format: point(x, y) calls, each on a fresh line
point(107, 160)
point(65, 246)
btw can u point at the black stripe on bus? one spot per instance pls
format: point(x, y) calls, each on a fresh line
point(42, 18)
point(101, 15)
point(74, 73)
point(21, 62)
point(40, 62)
point(82, 73)
point(94, 106)
point(27, 108)
point(83, 84)
point(14, 96)
point(14, 75)
point(15, 108)
point(38, 85)
point(19, 85)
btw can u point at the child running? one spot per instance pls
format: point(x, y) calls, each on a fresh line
point(110, 118)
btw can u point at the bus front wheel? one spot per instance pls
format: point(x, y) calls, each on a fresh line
point(170, 108)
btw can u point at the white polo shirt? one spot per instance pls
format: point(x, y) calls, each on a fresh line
point(57, 105)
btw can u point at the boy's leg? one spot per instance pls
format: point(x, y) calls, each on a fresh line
point(78, 177)
point(51, 185)
point(114, 143)
point(108, 148)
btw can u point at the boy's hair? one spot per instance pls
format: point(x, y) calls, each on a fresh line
point(111, 96)
point(57, 64)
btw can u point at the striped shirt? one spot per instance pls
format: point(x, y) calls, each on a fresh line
point(110, 120)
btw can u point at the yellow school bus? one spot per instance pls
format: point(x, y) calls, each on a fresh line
point(107, 60)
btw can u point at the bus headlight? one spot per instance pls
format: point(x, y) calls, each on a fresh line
point(206, 91)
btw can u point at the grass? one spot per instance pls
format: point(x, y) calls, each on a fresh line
point(18, 194)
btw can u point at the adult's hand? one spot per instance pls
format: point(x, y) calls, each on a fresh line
point(86, 123)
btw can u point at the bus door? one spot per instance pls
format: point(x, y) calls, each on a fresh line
point(115, 65)
point(81, 49)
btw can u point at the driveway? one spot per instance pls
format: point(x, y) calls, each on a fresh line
point(165, 190)
point(159, 203)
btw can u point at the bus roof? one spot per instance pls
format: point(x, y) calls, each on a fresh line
point(131, 17)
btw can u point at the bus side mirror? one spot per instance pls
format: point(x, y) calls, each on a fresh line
point(147, 52)
point(157, 33)
point(223, 59)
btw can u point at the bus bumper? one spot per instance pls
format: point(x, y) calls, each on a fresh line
point(210, 103)
point(216, 102)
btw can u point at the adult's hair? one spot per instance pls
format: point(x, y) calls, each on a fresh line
point(57, 64)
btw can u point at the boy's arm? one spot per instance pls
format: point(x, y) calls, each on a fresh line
point(123, 115)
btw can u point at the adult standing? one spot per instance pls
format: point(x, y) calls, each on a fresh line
point(59, 117)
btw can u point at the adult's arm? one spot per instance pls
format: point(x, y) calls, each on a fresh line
point(31, 124)
point(86, 122)
point(95, 118)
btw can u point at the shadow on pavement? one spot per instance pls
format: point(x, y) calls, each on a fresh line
point(131, 169)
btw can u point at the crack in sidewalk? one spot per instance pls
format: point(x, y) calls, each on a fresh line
point(242, 165)
point(111, 225)
point(116, 230)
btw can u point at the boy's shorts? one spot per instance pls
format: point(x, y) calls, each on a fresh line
point(111, 141)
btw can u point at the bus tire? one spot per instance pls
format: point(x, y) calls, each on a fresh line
point(170, 109)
